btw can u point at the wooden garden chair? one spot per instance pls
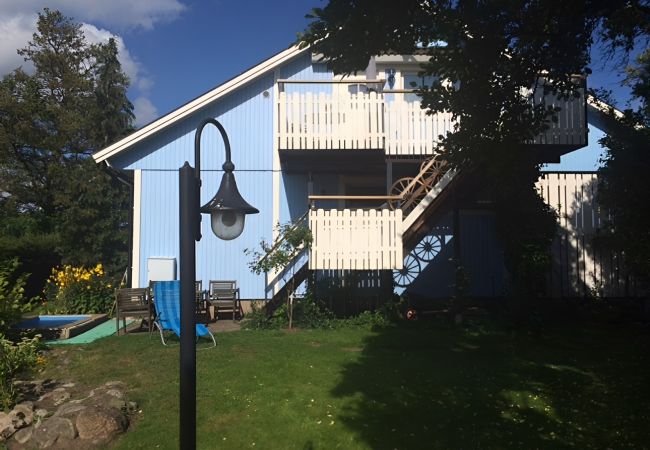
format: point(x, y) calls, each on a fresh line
point(134, 302)
point(224, 297)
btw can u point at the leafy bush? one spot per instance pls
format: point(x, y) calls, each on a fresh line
point(258, 319)
point(79, 290)
point(310, 313)
point(14, 359)
point(12, 299)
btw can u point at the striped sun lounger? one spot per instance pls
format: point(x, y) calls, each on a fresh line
point(167, 300)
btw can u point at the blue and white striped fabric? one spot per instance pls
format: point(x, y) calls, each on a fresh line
point(167, 299)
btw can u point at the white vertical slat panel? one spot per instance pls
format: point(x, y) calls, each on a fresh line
point(366, 121)
point(580, 268)
point(355, 240)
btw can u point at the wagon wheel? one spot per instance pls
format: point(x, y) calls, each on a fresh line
point(400, 188)
point(431, 169)
point(416, 195)
point(428, 248)
point(409, 272)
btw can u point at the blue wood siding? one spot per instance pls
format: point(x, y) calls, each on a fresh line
point(293, 197)
point(247, 115)
point(215, 259)
point(481, 258)
point(481, 254)
point(301, 68)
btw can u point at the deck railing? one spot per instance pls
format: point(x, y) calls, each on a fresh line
point(374, 120)
point(355, 239)
point(309, 121)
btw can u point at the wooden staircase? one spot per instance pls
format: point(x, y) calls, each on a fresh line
point(420, 198)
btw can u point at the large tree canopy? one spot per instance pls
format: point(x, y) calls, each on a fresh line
point(490, 52)
point(625, 185)
point(55, 202)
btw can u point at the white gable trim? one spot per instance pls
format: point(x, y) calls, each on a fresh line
point(137, 214)
point(197, 103)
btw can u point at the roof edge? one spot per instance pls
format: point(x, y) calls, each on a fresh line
point(198, 103)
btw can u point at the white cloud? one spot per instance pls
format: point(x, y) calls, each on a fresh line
point(16, 31)
point(114, 13)
point(130, 65)
point(144, 111)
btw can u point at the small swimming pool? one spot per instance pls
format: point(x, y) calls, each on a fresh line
point(60, 326)
point(45, 322)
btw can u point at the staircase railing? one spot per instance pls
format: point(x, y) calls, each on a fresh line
point(278, 242)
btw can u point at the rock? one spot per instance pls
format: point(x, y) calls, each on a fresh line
point(115, 393)
point(118, 404)
point(69, 385)
point(47, 433)
point(24, 435)
point(99, 424)
point(114, 384)
point(57, 396)
point(22, 415)
point(132, 406)
point(6, 426)
point(69, 409)
point(41, 414)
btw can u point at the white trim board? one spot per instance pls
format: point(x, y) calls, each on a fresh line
point(137, 207)
point(198, 103)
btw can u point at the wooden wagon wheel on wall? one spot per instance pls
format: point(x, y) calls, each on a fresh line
point(402, 187)
point(408, 273)
point(432, 169)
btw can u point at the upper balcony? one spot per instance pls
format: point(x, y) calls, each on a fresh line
point(392, 121)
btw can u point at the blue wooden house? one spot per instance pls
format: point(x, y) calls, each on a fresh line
point(354, 157)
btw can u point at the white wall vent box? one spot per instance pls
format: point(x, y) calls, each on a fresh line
point(161, 268)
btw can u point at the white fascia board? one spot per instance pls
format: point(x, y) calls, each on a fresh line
point(197, 103)
point(603, 107)
point(402, 59)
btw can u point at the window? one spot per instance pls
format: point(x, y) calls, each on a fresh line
point(414, 81)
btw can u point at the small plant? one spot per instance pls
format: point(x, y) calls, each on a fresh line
point(294, 237)
point(79, 290)
point(12, 299)
point(15, 358)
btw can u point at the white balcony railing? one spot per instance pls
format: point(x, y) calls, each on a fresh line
point(355, 239)
point(366, 121)
point(323, 122)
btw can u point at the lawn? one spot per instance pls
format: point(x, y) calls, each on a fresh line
point(422, 385)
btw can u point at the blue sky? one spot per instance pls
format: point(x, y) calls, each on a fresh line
point(175, 50)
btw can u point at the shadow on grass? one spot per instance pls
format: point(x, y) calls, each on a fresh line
point(430, 386)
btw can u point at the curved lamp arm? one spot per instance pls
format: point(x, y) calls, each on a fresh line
point(228, 166)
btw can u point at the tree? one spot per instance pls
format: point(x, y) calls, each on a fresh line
point(50, 123)
point(625, 187)
point(490, 51)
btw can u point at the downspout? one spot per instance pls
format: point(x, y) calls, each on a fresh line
point(125, 177)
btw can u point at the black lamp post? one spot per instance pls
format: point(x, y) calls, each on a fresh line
point(227, 211)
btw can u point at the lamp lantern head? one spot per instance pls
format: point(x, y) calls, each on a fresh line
point(227, 208)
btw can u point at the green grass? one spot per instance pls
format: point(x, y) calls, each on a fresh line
point(407, 387)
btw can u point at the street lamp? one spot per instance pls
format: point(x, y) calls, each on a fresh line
point(227, 211)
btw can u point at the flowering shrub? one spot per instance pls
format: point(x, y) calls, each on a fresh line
point(12, 294)
point(79, 290)
point(14, 359)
